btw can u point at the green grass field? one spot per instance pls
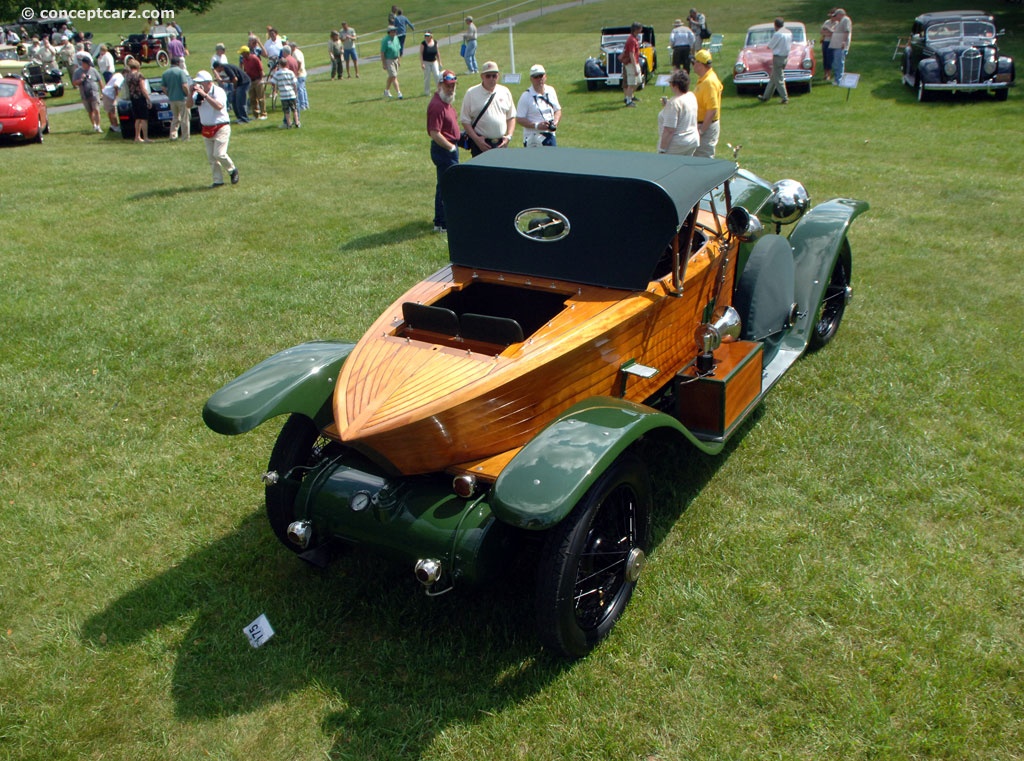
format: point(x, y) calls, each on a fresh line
point(844, 582)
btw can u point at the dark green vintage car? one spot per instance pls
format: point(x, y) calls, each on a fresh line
point(496, 407)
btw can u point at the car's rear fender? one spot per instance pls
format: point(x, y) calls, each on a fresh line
point(818, 241)
point(297, 380)
point(549, 475)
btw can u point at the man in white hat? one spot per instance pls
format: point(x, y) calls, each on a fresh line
point(488, 113)
point(216, 123)
point(682, 41)
point(538, 110)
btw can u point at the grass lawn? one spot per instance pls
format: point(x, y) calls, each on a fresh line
point(845, 581)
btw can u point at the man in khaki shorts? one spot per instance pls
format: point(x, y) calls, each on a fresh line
point(630, 59)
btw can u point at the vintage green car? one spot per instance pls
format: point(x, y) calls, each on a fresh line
point(495, 408)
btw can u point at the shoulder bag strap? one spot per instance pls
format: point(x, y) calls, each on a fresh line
point(483, 110)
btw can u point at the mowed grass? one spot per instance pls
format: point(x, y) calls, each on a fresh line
point(845, 581)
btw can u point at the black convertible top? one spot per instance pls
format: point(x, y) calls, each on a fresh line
point(598, 217)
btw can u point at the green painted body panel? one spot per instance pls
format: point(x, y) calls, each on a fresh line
point(406, 519)
point(300, 379)
point(546, 479)
point(817, 240)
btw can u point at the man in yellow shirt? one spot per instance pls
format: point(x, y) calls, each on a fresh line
point(709, 103)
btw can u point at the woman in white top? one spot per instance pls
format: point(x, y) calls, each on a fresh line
point(677, 122)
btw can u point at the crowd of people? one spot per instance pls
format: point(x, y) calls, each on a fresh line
point(687, 124)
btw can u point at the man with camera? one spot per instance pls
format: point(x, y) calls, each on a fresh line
point(539, 111)
point(216, 122)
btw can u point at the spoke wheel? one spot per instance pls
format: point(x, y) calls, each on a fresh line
point(298, 447)
point(592, 560)
point(163, 59)
point(833, 305)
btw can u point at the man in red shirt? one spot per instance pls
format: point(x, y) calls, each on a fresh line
point(253, 66)
point(630, 58)
point(443, 128)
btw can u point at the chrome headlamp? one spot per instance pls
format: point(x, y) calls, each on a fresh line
point(789, 201)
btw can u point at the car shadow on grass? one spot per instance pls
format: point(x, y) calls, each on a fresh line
point(402, 665)
point(396, 667)
point(389, 237)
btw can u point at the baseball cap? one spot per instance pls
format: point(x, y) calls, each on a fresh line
point(449, 76)
point(488, 67)
point(203, 76)
point(703, 56)
point(243, 49)
point(536, 70)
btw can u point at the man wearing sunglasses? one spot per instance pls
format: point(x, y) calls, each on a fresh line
point(488, 113)
point(538, 110)
point(443, 128)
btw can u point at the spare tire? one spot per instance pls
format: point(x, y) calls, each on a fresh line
point(765, 293)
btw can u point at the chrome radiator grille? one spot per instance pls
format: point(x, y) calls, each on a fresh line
point(970, 66)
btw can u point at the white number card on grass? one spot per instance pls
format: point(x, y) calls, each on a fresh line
point(259, 631)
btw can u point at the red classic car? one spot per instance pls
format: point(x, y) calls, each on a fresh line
point(754, 63)
point(22, 113)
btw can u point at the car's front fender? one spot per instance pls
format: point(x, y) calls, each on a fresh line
point(549, 475)
point(297, 380)
point(817, 242)
point(929, 70)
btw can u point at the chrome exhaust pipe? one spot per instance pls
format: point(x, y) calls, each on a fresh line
point(427, 571)
point(300, 533)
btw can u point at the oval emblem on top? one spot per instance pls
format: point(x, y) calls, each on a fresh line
point(543, 225)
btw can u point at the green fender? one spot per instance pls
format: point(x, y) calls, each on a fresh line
point(545, 480)
point(817, 242)
point(300, 379)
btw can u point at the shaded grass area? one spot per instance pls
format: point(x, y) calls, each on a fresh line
point(844, 581)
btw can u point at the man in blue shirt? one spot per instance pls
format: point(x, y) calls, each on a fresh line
point(780, 43)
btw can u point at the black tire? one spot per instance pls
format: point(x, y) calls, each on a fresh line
point(833, 304)
point(296, 446)
point(40, 131)
point(592, 85)
point(128, 59)
point(591, 560)
point(1003, 94)
point(163, 59)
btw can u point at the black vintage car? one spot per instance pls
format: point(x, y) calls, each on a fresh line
point(607, 69)
point(159, 113)
point(956, 51)
point(45, 81)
